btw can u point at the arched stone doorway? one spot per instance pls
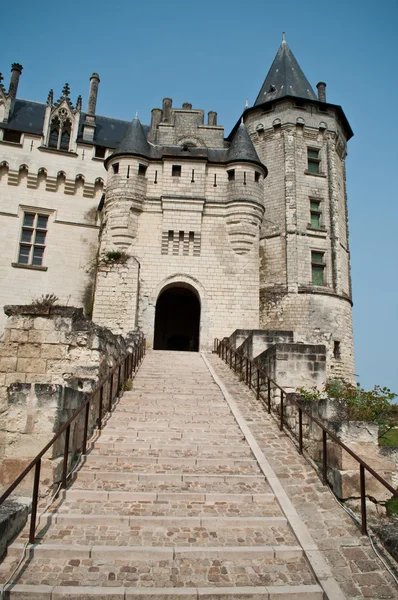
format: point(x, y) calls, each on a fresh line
point(177, 319)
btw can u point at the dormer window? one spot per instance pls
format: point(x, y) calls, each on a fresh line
point(60, 130)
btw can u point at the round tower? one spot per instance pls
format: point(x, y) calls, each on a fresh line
point(305, 282)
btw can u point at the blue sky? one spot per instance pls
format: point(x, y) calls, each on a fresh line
point(215, 55)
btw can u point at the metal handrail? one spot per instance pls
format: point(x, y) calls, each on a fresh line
point(231, 356)
point(130, 362)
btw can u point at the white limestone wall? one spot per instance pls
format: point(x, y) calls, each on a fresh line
point(71, 203)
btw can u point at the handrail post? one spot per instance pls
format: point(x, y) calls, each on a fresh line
point(34, 502)
point(247, 370)
point(110, 392)
point(84, 447)
point(300, 412)
point(258, 384)
point(324, 457)
point(363, 499)
point(250, 375)
point(269, 394)
point(66, 452)
point(281, 419)
point(235, 361)
point(100, 408)
point(119, 375)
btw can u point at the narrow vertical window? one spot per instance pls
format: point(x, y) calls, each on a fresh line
point(315, 213)
point(193, 176)
point(317, 268)
point(336, 349)
point(156, 177)
point(128, 171)
point(257, 177)
point(215, 180)
point(33, 239)
point(244, 177)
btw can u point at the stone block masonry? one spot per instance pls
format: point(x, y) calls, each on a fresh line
point(49, 360)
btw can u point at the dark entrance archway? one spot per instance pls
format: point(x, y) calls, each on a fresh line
point(177, 320)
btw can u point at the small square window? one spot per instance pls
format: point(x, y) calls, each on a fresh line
point(115, 168)
point(313, 161)
point(142, 170)
point(33, 239)
point(100, 152)
point(176, 170)
point(317, 268)
point(231, 174)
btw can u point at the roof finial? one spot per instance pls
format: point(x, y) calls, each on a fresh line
point(247, 103)
point(283, 38)
point(136, 114)
point(66, 90)
point(241, 121)
point(1, 77)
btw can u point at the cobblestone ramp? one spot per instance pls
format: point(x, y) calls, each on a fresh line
point(174, 500)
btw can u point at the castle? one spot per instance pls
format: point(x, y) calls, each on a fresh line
point(175, 230)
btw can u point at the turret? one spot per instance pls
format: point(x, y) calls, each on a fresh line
point(126, 186)
point(245, 206)
point(304, 238)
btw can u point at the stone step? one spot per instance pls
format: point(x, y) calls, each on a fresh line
point(176, 409)
point(120, 421)
point(222, 570)
point(180, 420)
point(50, 592)
point(175, 482)
point(160, 464)
point(85, 502)
point(175, 435)
point(110, 443)
point(106, 530)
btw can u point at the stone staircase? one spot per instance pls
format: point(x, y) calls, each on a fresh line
point(169, 502)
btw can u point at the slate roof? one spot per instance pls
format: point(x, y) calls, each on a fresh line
point(285, 78)
point(241, 147)
point(134, 141)
point(28, 117)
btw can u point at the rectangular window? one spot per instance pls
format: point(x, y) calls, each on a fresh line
point(317, 268)
point(33, 239)
point(115, 168)
point(231, 174)
point(100, 152)
point(315, 214)
point(176, 170)
point(313, 161)
point(257, 177)
point(12, 136)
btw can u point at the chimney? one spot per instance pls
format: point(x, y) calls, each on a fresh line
point(92, 98)
point(16, 70)
point(156, 118)
point(167, 104)
point(187, 106)
point(321, 91)
point(89, 121)
point(212, 117)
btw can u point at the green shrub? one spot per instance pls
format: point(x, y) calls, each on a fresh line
point(45, 301)
point(392, 507)
point(113, 257)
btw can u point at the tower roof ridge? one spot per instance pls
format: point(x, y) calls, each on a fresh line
point(285, 78)
point(241, 147)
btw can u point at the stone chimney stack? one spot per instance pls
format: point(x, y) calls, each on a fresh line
point(92, 98)
point(167, 104)
point(156, 118)
point(89, 121)
point(16, 70)
point(212, 117)
point(321, 91)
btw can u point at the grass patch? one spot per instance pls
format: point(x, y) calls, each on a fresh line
point(392, 507)
point(390, 438)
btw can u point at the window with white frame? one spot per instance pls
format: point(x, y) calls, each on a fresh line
point(33, 239)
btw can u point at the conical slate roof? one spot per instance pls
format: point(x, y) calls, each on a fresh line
point(134, 141)
point(285, 78)
point(241, 147)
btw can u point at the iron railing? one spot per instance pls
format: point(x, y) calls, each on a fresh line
point(257, 379)
point(121, 372)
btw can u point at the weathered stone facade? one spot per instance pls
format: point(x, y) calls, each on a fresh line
point(253, 228)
